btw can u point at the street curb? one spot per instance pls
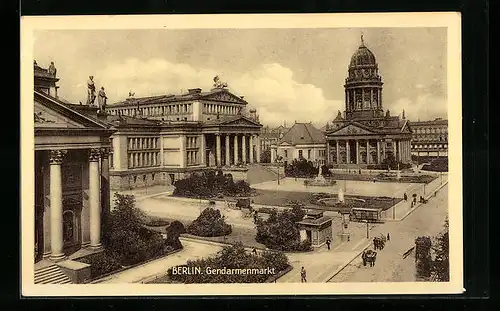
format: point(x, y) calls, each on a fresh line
point(346, 264)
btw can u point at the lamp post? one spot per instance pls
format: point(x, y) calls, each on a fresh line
point(145, 182)
point(393, 209)
point(367, 230)
point(279, 159)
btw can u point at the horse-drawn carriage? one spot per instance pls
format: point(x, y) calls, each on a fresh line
point(369, 257)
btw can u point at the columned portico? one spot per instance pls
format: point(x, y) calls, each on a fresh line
point(56, 205)
point(94, 199)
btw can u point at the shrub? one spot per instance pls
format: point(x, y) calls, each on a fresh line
point(209, 184)
point(210, 223)
point(265, 156)
point(102, 263)
point(175, 229)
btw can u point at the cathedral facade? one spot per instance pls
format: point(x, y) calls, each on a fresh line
point(364, 135)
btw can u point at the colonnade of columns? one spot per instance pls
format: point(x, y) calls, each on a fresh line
point(56, 200)
point(241, 142)
point(367, 151)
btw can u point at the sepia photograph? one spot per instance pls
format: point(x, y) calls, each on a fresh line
point(192, 155)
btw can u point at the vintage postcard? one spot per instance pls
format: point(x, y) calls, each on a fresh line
point(241, 154)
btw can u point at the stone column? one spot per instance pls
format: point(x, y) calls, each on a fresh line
point(105, 199)
point(250, 147)
point(217, 150)
point(327, 158)
point(257, 148)
point(160, 141)
point(383, 150)
point(94, 200)
point(367, 151)
point(183, 151)
point(400, 157)
point(235, 149)
point(228, 153)
point(394, 149)
point(371, 98)
point(203, 156)
point(243, 149)
point(348, 152)
point(357, 151)
point(378, 152)
point(337, 151)
point(56, 205)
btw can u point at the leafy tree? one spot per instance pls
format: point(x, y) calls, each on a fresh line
point(210, 223)
point(265, 156)
point(441, 264)
point(174, 231)
point(280, 231)
point(210, 183)
point(301, 168)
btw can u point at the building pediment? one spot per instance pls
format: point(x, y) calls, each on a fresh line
point(224, 96)
point(241, 122)
point(49, 112)
point(351, 129)
point(46, 117)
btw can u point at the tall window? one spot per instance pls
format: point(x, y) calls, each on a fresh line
point(308, 154)
point(285, 153)
point(300, 154)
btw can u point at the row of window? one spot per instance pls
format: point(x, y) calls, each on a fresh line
point(140, 143)
point(425, 146)
point(143, 159)
point(437, 130)
point(222, 109)
point(154, 111)
point(430, 138)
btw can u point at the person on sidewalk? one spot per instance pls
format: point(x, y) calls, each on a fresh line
point(388, 237)
point(405, 197)
point(328, 241)
point(303, 275)
point(254, 251)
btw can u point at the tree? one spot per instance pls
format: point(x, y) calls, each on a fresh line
point(441, 264)
point(210, 223)
point(301, 168)
point(265, 157)
point(174, 231)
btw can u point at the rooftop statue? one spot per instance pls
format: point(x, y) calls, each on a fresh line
point(90, 91)
point(101, 100)
point(218, 84)
point(52, 69)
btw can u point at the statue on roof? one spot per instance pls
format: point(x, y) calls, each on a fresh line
point(90, 91)
point(52, 69)
point(218, 84)
point(101, 100)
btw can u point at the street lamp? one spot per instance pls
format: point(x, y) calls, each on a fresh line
point(279, 159)
point(367, 230)
point(393, 209)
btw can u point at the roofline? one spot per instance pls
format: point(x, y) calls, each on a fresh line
point(65, 106)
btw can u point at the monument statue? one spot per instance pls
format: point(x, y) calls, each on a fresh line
point(218, 84)
point(101, 100)
point(90, 91)
point(52, 69)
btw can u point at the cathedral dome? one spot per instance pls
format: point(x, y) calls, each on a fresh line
point(363, 57)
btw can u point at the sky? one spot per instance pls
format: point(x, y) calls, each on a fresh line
point(286, 74)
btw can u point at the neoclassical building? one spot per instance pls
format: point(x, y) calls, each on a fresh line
point(160, 139)
point(430, 138)
point(364, 135)
point(71, 172)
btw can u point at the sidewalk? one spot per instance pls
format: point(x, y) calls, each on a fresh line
point(139, 274)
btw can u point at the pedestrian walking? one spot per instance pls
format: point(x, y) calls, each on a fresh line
point(388, 237)
point(303, 275)
point(254, 251)
point(328, 241)
point(405, 197)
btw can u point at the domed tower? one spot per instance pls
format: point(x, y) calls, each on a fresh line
point(363, 86)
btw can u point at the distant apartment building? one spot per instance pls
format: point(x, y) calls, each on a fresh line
point(430, 138)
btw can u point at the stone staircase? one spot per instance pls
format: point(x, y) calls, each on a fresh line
point(51, 275)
